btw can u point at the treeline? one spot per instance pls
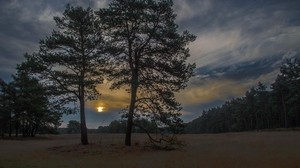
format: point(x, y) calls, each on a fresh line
point(116, 126)
point(25, 107)
point(119, 126)
point(262, 107)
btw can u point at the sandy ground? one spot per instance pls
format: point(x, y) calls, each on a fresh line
point(251, 149)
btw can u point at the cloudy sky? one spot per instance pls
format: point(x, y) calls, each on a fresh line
point(238, 44)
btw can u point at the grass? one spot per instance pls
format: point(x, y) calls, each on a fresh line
point(250, 149)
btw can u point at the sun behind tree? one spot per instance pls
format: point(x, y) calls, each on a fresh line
point(148, 59)
point(100, 109)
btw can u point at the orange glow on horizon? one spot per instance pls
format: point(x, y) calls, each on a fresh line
point(100, 109)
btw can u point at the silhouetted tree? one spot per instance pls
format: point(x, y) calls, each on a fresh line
point(73, 127)
point(4, 109)
point(286, 91)
point(119, 126)
point(9, 108)
point(263, 106)
point(69, 61)
point(148, 58)
point(34, 110)
point(103, 129)
point(26, 106)
point(144, 125)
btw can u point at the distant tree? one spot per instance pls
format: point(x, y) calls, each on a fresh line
point(26, 107)
point(144, 125)
point(148, 58)
point(73, 127)
point(286, 91)
point(69, 61)
point(263, 106)
point(8, 107)
point(4, 110)
point(103, 129)
point(117, 126)
point(34, 111)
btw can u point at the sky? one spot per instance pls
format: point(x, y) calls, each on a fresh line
point(239, 43)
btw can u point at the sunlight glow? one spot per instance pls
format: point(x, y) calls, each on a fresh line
point(100, 109)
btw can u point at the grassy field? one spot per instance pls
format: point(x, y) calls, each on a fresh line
point(250, 149)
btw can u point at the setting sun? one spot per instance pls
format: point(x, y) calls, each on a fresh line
point(100, 109)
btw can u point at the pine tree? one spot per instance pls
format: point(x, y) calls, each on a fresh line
point(148, 57)
point(70, 60)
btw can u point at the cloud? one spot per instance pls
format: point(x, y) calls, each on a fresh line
point(244, 70)
point(21, 30)
point(232, 32)
point(211, 90)
point(23, 23)
point(221, 88)
point(209, 47)
point(47, 15)
point(189, 9)
point(110, 99)
point(101, 4)
point(94, 4)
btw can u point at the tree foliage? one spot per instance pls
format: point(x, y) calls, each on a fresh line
point(260, 108)
point(73, 127)
point(26, 108)
point(69, 61)
point(148, 58)
point(119, 126)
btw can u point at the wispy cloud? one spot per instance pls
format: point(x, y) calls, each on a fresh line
point(244, 38)
point(189, 9)
point(211, 90)
point(212, 46)
point(100, 4)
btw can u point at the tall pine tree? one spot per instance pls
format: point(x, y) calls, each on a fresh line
point(70, 60)
point(148, 57)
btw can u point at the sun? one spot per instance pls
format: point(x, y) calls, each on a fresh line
point(100, 109)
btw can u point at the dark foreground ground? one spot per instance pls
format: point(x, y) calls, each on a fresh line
point(251, 149)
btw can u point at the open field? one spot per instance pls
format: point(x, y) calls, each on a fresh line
point(250, 149)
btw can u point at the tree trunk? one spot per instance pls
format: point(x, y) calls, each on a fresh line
point(2, 128)
point(256, 123)
point(134, 88)
point(84, 137)
point(297, 117)
point(284, 111)
point(10, 125)
point(17, 128)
